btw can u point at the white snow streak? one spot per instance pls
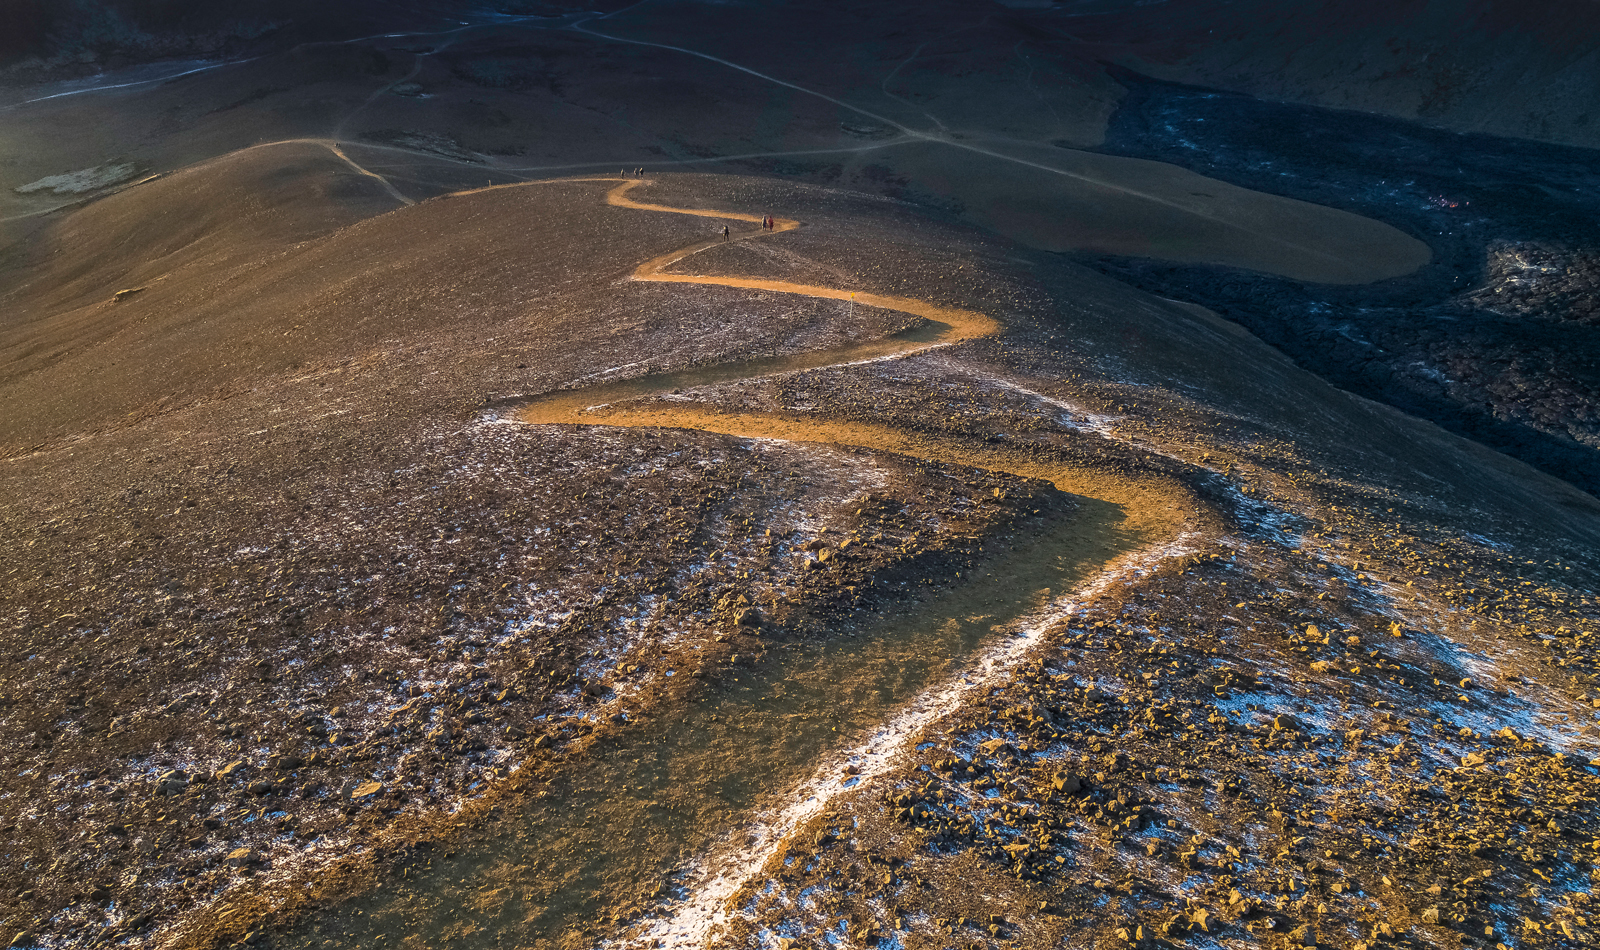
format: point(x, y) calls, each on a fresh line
point(719, 877)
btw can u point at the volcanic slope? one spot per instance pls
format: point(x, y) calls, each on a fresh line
point(497, 887)
point(307, 610)
point(237, 565)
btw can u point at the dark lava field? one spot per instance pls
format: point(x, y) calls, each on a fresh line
point(1497, 338)
point(765, 474)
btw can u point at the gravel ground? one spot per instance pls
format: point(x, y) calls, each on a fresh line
point(266, 639)
point(1332, 724)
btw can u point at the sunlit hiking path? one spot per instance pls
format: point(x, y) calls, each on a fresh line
point(1130, 524)
point(704, 797)
point(605, 404)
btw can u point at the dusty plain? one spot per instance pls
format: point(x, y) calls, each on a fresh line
point(424, 530)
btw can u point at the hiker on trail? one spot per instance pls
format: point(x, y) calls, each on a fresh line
point(724, 232)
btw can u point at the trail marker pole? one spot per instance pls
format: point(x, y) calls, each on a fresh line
point(852, 313)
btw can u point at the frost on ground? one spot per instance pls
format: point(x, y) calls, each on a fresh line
point(274, 689)
point(1333, 725)
point(717, 878)
point(259, 645)
point(83, 181)
point(1337, 723)
point(1203, 756)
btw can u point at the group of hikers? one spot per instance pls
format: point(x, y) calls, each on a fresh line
point(768, 223)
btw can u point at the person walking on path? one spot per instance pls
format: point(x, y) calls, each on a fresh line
point(724, 232)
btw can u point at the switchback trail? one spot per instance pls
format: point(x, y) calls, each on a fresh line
point(1144, 516)
point(612, 404)
point(703, 798)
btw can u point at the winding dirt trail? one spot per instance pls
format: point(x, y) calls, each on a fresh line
point(709, 795)
point(1152, 518)
point(1149, 509)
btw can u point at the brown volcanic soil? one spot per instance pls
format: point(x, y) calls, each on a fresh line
point(272, 509)
point(1333, 724)
point(345, 573)
point(1220, 640)
point(293, 574)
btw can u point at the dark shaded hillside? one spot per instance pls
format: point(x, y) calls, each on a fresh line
point(1523, 68)
point(1498, 338)
point(62, 33)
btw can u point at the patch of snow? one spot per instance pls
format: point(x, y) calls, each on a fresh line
point(720, 876)
point(83, 181)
